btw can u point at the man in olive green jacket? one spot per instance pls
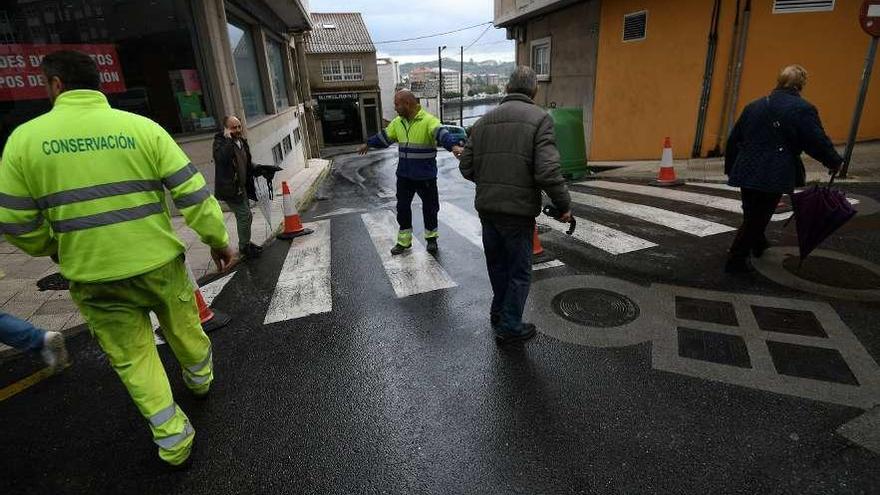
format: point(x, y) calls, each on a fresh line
point(512, 157)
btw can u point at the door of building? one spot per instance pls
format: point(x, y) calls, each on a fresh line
point(371, 116)
point(340, 119)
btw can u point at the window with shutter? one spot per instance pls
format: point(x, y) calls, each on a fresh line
point(635, 26)
point(541, 58)
point(796, 6)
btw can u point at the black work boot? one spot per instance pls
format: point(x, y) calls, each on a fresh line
point(248, 252)
point(525, 332)
point(399, 249)
point(432, 245)
point(760, 247)
point(738, 265)
point(495, 320)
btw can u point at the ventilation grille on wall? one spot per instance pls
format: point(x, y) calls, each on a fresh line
point(635, 26)
point(794, 6)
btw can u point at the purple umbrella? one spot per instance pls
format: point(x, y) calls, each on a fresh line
point(818, 212)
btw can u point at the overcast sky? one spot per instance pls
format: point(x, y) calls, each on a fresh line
point(397, 19)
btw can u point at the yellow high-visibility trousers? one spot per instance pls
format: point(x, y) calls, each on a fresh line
point(118, 316)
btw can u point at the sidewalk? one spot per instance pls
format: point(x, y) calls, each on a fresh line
point(54, 310)
point(864, 167)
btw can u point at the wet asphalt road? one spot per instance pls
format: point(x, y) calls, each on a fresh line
point(411, 395)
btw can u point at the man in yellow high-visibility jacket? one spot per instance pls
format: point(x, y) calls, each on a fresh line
point(417, 134)
point(85, 183)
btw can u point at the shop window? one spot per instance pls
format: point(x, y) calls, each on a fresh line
point(635, 26)
point(149, 65)
point(795, 6)
point(277, 154)
point(242, 41)
point(342, 70)
point(541, 58)
point(276, 71)
point(288, 146)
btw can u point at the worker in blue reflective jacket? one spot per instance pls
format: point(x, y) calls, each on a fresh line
point(417, 133)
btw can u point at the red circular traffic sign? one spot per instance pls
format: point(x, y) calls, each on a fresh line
point(869, 17)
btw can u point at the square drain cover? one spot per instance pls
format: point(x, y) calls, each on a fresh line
point(811, 362)
point(790, 321)
point(720, 312)
point(713, 347)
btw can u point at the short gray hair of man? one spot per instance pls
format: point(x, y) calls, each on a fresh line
point(523, 81)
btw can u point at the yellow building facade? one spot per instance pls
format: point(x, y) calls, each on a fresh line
point(648, 66)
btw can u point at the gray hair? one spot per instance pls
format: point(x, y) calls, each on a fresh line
point(523, 81)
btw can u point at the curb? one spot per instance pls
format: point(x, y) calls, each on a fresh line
point(307, 198)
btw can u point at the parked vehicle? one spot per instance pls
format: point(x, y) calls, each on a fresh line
point(458, 132)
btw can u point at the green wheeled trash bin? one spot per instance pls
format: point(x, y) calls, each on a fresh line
point(569, 128)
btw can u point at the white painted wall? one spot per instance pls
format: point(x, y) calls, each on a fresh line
point(265, 134)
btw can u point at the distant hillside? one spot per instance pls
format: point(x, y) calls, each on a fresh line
point(470, 67)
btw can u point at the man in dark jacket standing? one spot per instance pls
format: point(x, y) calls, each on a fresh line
point(763, 158)
point(512, 156)
point(233, 181)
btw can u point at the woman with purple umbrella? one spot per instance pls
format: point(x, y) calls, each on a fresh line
point(763, 158)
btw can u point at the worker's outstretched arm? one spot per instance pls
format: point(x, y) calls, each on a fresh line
point(382, 139)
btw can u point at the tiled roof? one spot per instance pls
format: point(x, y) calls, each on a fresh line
point(348, 34)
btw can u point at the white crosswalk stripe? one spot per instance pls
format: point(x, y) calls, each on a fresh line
point(209, 293)
point(212, 290)
point(706, 200)
point(605, 238)
point(713, 185)
point(303, 286)
point(466, 224)
point(547, 264)
point(413, 272)
point(673, 220)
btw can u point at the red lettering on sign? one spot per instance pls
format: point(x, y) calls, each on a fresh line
point(22, 79)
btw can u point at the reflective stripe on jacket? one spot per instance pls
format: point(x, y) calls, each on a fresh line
point(87, 182)
point(417, 141)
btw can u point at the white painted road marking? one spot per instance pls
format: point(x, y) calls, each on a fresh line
point(604, 238)
point(303, 286)
point(209, 293)
point(707, 200)
point(413, 272)
point(547, 264)
point(713, 185)
point(212, 290)
point(677, 221)
point(465, 223)
point(341, 211)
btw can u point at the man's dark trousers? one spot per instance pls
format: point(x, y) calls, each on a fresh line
point(427, 190)
point(758, 209)
point(243, 219)
point(508, 248)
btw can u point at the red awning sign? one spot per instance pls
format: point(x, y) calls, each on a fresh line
point(22, 79)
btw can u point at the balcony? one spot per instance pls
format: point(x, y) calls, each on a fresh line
point(512, 12)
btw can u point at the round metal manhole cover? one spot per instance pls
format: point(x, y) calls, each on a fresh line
point(595, 307)
point(832, 272)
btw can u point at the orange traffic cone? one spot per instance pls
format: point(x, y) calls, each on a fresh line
point(211, 319)
point(293, 226)
point(666, 176)
point(537, 248)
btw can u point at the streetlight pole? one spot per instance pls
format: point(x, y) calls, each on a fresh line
point(461, 90)
point(860, 105)
point(440, 85)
